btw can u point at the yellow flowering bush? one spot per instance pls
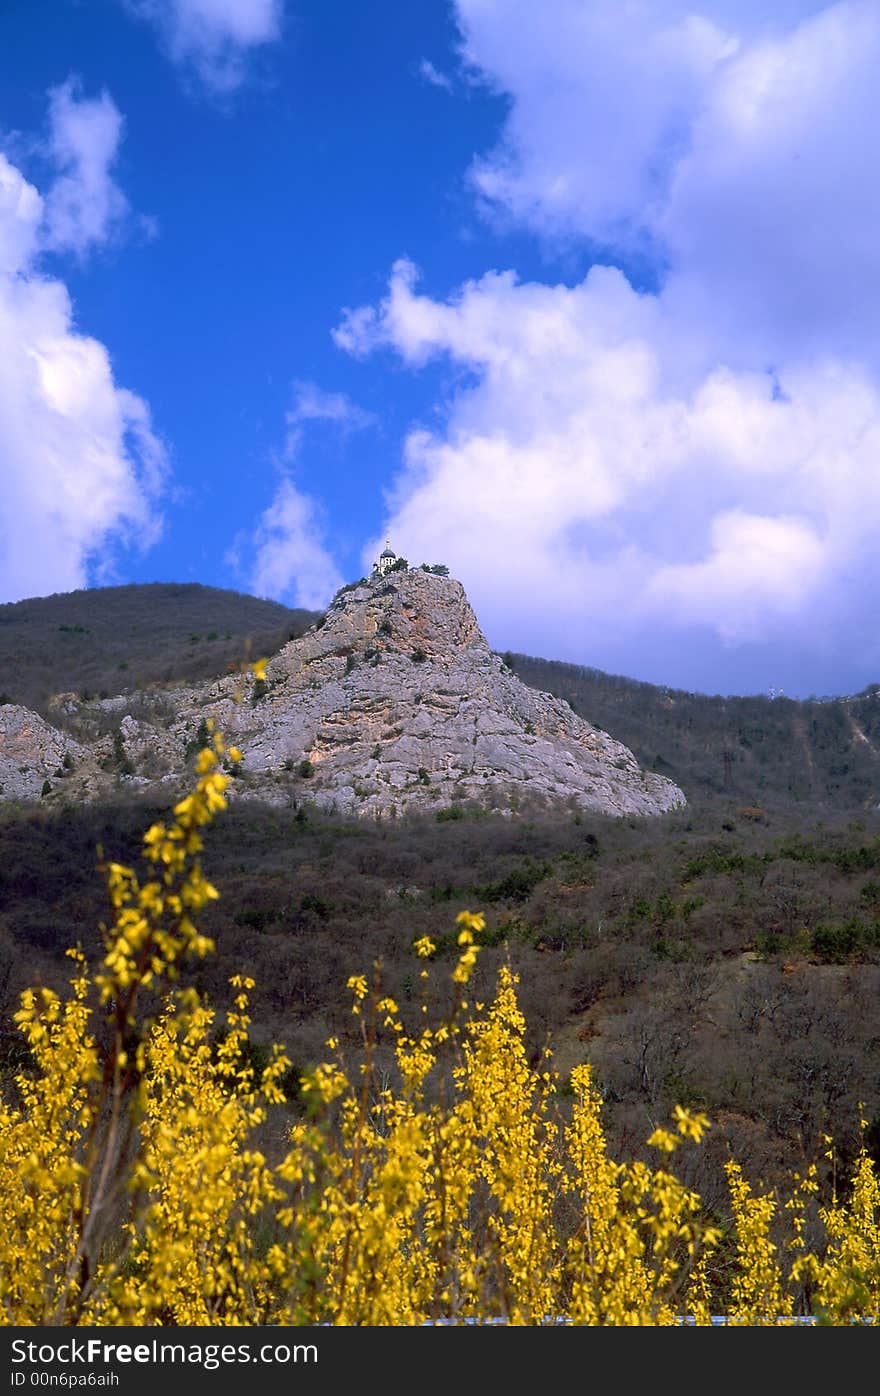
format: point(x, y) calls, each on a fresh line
point(466, 1184)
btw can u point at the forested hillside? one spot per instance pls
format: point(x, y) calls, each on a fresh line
point(106, 640)
point(820, 754)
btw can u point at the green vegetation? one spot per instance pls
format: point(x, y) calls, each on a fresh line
point(346, 588)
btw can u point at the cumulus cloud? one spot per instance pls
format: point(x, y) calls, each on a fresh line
point(21, 213)
point(290, 559)
point(292, 563)
point(757, 568)
point(730, 142)
point(596, 495)
point(81, 465)
point(602, 95)
point(84, 206)
point(215, 39)
point(630, 473)
point(768, 217)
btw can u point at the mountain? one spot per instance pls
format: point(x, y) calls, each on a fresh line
point(98, 645)
point(391, 702)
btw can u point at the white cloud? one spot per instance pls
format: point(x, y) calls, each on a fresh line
point(603, 94)
point(433, 75)
point(593, 493)
point(314, 404)
point(292, 563)
point(730, 141)
point(758, 570)
point(768, 221)
point(213, 38)
point(21, 213)
point(83, 206)
point(80, 463)
point(653, 480)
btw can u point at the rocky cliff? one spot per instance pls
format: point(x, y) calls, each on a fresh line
point(32, 753)
point(393, 702)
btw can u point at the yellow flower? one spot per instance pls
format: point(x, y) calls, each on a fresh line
point(663, 1139)
point(473, 921)
point(397, 1199)
point(690, 1126)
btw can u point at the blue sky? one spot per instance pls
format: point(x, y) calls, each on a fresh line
point(578, 298)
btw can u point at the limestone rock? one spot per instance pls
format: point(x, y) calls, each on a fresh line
point(395, 702)
point(392, 703)
point(32, 753)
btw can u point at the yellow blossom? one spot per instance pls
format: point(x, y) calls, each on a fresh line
point(435, 1176)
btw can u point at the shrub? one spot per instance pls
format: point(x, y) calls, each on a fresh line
point(344, 590)
point(441, 1175)
point(517, 885)
point(201, 739)
point(837, 942)
point(121, 759)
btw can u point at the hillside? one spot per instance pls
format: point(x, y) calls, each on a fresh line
point(106, 640)
point(815, 754)
point(391, 703)
point(708, 958)
point(724, 955)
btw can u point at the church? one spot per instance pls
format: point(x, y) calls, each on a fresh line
point(387, 559)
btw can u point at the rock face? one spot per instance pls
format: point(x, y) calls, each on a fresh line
point(395, 703)
point(31, 751)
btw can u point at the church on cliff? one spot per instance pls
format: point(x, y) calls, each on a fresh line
point(386, 560)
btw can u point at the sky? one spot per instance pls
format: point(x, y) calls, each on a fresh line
point(579, 298)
